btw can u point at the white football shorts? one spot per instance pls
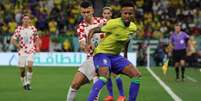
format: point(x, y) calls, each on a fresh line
point(24, 58)
point(88, 68)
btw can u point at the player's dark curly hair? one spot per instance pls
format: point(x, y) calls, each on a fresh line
point(86, 4)
point(126, 3)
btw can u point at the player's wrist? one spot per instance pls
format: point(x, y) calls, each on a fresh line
point(18, 46)
point(37, 49)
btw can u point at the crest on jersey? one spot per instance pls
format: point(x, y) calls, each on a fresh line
point(105, 61)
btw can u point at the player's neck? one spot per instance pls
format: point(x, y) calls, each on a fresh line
point(178, 32)
point(25, 26)
point(89, 21)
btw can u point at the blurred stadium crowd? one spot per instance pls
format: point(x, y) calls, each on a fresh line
point(56, 20)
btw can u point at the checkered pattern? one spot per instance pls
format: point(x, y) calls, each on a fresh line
point(84, 28)
point(26, 37)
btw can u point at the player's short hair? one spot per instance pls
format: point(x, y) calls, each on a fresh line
point(25, 16)
point(126, 3)
point(108, 8)
point(85, 4)
point(178, 24)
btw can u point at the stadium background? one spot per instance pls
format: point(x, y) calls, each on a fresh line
point(56, 21)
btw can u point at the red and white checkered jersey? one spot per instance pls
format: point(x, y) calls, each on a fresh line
point(26, 38)
point(84, 28)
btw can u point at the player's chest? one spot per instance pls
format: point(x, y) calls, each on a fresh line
point(178, 37)
point(26, 33)
point(121, 33)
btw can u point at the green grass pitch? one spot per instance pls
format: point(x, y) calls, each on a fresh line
point(51, 84)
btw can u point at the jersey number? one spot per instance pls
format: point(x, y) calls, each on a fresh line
point(26, 40)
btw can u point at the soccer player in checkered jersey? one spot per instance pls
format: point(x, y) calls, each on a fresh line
point(28, 43)
point(86, 71)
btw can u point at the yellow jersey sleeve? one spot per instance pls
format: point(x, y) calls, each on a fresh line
point(109, 26)
point(132, 27)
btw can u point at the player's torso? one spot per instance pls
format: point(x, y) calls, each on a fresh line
point(179, 41)
point(26, 39)
point(26, 36)
point(114, 43)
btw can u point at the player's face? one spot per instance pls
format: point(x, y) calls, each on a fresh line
point(87, 13)
point(127, 13)
point(107, 14)
point(177, 29)
point(26, 21)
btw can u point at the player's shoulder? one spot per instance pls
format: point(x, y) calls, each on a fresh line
point(133, 26)
point(115, 21)
point(81, 24)
point(118, 20)
point(100, 19)
point(33, 28)
point(19, 27)
point(80, 27)
point(184, 32)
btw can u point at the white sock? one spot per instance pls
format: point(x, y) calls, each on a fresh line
point(95, 79)
point(29, 77)
point(23, 80)
point(71, 94)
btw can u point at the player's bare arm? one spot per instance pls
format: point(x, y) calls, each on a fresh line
point(15, 43)
point(126, 49)
point(83, 46)
point(37, 42)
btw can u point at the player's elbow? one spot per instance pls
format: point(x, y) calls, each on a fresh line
point(13, 41)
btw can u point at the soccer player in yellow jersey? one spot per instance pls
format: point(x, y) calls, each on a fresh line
point(86, 71)
point(107, 58)
point(28, 44)
point(107, 14)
